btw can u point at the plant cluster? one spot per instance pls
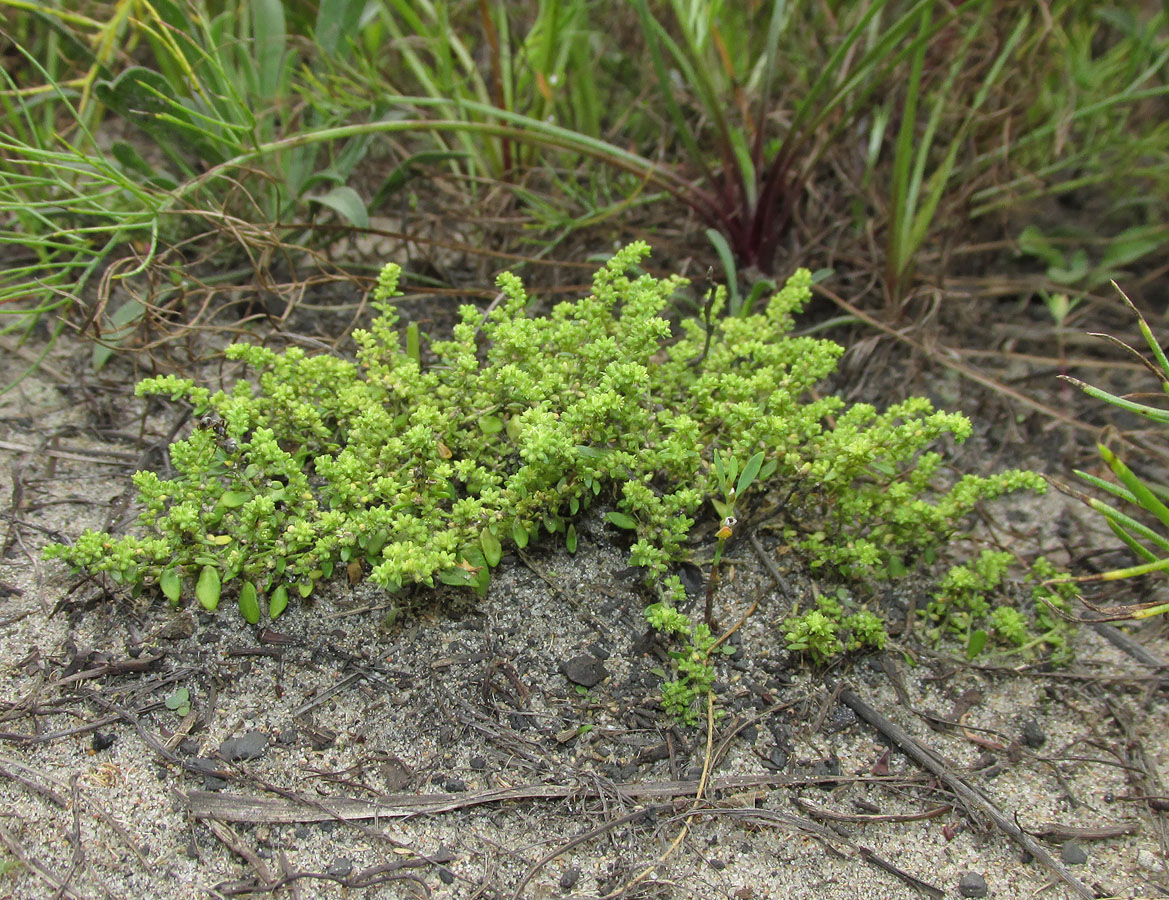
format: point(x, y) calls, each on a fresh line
point(693, 674)
point(964, 606)
point(827, 632)
point(424, 475)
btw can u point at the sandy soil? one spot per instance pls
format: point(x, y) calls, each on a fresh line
point(356, 748)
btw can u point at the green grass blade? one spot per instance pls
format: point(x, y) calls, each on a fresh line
point(1144, 497)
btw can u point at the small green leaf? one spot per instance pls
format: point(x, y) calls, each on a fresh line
point(249, 603)
point(278, 602)
point(754, 464)
point(458, 577)
point(519, 534)
point(235, 499)
point(621, 520)
point(976, 644)
point(570, 539)
point(492, 549)
point(179, 701)
point(171, 583)
point(490, 424)
point(304, 588)
point(207, 588)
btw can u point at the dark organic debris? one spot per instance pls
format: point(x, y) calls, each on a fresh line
point(248, 746)
point(585, 670)
point(972, 884)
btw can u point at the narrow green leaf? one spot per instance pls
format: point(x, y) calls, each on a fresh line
point(570, 539)
point(235, 499)
point(278, 602)
point(754, 464)
point(976, 644)
point(727, 258)
point(207, 588)
point(270, 47)
point(621, 520)
point(1150, 412)
point(249, 603)
point(1144, 496)
point(1138, 549)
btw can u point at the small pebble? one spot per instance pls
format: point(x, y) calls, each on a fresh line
point(569, 877)
point(585, 670)
point(1033, 735)
point(249, 746)
point(1072, 854)
point(972, 884)
point(478, 763)
point(718, 865)
point(102, 741)
point(341, 867)
point(455, 785)
point(445, 875)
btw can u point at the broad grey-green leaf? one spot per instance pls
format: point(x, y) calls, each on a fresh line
point(346, 202)
point(123, 321)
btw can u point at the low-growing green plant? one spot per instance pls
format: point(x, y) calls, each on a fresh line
point(826, 632)
point(693, 673)
point(973, 603)
point(423, 475)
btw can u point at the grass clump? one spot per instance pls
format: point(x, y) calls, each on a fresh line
point(423, 475)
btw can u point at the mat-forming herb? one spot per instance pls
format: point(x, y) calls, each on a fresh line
point(419, 474)
point(973, 603)
point(827, 632)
